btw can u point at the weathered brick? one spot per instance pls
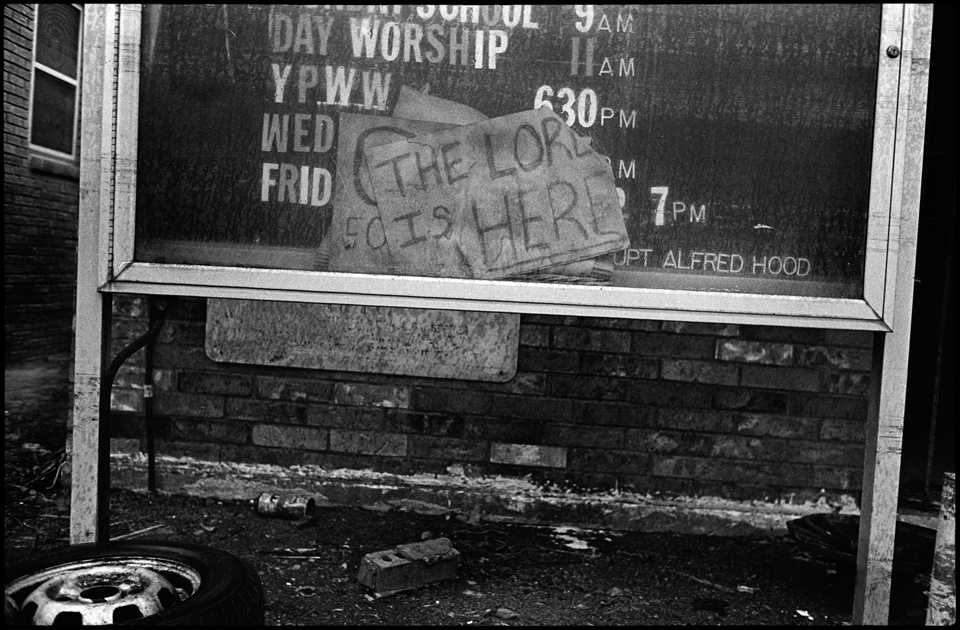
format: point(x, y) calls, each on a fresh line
point(856, 338)
point(702, 328)
point(202, 431)
point(599, 340)
point(671, 442)
point(843, 430)
point(545, 360)
point(673, 346)
point(745, 351)
point(172, 355)
point(294, 389)
point(266, 411)
point(532, 383)
point(187, 333)
point(784, 334)
point(409, 566)
point(451, 400)
point(696, 420)
point(847, 479)
point(750, 400)
point(556, 409)
point(850, 383)
point(126, 399)
point(535, 335)
point(215, 383)
point(290, 436)
point(447, 449)
point(795, 379)
point(621, 365)
point(573, 435)
point(612, 413)
point(528, 455)
point(165, 380)
point(439, 424)
point(842, 407)
point(667, 394)
point(728, 470)
point(592, 387)
point(777, 426)
point(368, 442)
point(840, 358)
point(699, 372)
point(195, 405)
point(371, 395)
point(503, 429)
point(609, 461)
point(359, 418)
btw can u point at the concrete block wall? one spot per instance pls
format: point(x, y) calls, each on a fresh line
point(40, 201)
point(668, 408)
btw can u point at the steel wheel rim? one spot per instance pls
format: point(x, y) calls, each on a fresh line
point(100, 591)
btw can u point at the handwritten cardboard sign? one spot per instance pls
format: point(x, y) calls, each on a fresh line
point(496, 198)
point(357, 242)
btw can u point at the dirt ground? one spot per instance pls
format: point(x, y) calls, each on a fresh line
point(509, 574)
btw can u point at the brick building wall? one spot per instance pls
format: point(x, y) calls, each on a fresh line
point(40, 200)
point(680, 409)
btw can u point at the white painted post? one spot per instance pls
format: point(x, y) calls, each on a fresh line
point(95, 177)
point(942, 606)
point(881, 474)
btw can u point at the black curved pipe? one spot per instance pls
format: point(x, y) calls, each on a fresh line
point(106, 388)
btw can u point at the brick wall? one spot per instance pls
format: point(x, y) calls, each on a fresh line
point(739, 412)
point(39, 215)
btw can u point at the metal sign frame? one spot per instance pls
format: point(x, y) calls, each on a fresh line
point(105, 266)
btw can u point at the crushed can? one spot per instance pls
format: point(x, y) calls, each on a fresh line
point(284, 506)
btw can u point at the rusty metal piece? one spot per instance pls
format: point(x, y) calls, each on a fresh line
point(281, 506)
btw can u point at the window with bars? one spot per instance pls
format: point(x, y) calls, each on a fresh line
point(55, 103)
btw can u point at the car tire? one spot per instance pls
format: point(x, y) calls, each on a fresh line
point(130, 583)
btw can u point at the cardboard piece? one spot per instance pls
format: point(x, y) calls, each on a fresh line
point(497, 198)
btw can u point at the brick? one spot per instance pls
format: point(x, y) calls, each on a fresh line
point(535, 335)
point(196, 405)
point(608, 461)
point(613, 413)
point(794, 379)
point(842, 430)
point(371, 395)
point(592, 387)
point(699, 372)
point(294, 389)
point(745, 351)
point(545, 360)
point(750, 400)
point(201, 431)
point(783, 334)
point(777, 426)
point(673, 346)
point(620, 365)
point(522, 383)
point(289, 436)
point(702, 328)
point(670, 442)
point(572, 435)
point(842, 407)
point(532, 408)
point(215, 383)
point(846, 479)
point(368, 442)
point(187, 333)
point(442, 425)
point(600, 340)
point(855, 338)
point(267, 411)
point(450, 450)
point(409, 566)
point(726, 470)
point(528, 455)
point(670, 394)
point(840, 358)
point(849, 383)
point(333, 416)
point(503, 429)
point(124, 399)
point(451, 400)
point(696, 420)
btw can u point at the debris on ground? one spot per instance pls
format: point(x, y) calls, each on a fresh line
point(409, 566)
